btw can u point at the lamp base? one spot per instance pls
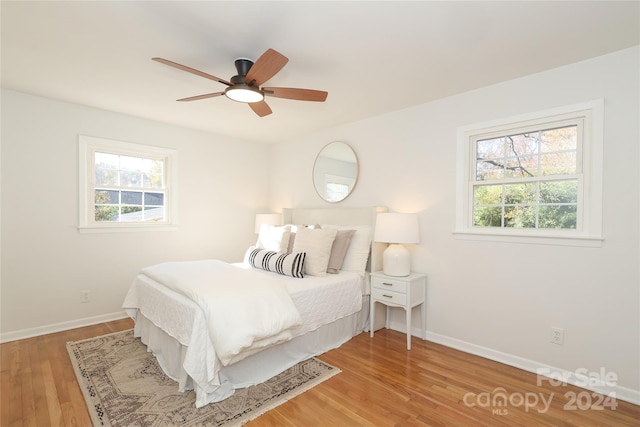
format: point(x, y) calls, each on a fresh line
point(396, 261)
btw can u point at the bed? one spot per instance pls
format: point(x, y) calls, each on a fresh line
point(217, 345)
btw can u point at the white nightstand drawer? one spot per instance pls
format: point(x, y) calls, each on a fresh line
point(390, 296)
point(391, 285)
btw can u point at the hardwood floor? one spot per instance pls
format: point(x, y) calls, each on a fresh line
point(381, 384)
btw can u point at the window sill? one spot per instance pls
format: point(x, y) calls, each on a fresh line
point(580, 241)
point(129, 228)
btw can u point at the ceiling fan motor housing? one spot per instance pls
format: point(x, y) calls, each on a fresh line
point(243, 65)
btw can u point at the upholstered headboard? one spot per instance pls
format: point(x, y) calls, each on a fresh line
point(341, 216)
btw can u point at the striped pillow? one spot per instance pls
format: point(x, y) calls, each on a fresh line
point(286, 264)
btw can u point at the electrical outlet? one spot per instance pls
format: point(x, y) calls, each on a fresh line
point(84, 296)
point(557, 335)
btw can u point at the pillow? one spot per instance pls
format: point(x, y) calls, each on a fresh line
point(273, 238)
point(285, 264)
point(316, 243)
point(358, 253)
point(339, 250)
point(292, 236)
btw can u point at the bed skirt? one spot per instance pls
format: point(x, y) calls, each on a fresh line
point(254, 369)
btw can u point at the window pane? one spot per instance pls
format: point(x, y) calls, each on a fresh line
point(106, 177)
point(155, 199)
point(106, 213)
point(487, 217)
point(494, 148)
point(106, 169)
point(128, 163)
point(153, 214)
point(106, 197)
point(130, 179)
point(522, 167)
point(520, 216)
point(559, 191)
point(558, 216)
point(487, 195)
point(489, 169)
point(152, 180)
point(524, 144)
point(520, 194)
point(131, 198)
point(563, 163)
point(107, 161)
point(560, 139)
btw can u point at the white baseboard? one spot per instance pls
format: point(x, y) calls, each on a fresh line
point(58, 327)
point(550, 372)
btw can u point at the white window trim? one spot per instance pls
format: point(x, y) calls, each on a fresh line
point(88, 145)
point(590, 233)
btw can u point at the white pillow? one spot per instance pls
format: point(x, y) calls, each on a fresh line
point(273, 238)
point(316, 243)
point(359, 247)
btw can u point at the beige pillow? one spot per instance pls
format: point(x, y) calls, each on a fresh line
point(339, 250)
point(359, 247)
point(316, 243)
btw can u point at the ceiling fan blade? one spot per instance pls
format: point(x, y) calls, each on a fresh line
point(260, 108)
point(197, 97)
point(297, 94)
point(191, 70)
point(266, 67)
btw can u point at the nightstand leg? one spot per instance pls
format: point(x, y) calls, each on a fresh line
point(372, 309)
point(423, 313)
point(408, 310)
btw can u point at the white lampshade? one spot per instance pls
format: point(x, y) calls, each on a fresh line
point(269, 219)
point(395, 229)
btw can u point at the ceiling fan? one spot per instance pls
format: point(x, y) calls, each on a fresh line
point(246, 86)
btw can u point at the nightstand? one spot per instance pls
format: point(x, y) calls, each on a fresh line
point(406, 292)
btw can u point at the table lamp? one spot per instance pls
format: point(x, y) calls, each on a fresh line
point(396, 229)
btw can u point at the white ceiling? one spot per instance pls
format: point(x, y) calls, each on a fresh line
point(372, 57)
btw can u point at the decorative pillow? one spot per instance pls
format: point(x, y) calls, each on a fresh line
point(285, 264)
point(274, 238)
point(339, 250)
point(292, 236)
point(316, 243)
point(358, 253)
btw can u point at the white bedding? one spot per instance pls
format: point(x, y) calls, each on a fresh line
point(318, 300)
point(243, 309)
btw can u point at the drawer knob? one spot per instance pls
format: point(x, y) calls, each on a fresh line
point(387, 296)
point(387, 284)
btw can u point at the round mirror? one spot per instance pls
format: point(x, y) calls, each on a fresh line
point(335, 172)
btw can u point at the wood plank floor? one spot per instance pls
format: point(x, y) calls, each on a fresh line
point(381, 384)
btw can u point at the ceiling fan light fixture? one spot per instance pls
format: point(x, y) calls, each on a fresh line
point(244, 93)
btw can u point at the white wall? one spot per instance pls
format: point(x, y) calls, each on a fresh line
point(46, 262)
point(502, 299)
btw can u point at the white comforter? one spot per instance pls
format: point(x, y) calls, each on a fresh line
point(319, 300)
point(243, 308)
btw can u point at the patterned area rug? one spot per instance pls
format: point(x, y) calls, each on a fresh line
point(124, 386)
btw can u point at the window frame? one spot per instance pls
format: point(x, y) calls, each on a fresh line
point(588, 231)
point(88, 146)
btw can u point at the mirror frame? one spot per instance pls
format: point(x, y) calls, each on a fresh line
point(315, 166)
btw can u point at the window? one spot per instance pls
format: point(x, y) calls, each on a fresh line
point(533, 179)
point(125, 186)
